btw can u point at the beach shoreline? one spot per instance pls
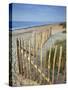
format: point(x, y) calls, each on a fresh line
point(54, 27)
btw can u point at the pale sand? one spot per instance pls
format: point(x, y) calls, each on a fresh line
point(54, 27)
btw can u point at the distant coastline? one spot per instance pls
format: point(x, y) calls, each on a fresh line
point(25, 25)
point(59, 27)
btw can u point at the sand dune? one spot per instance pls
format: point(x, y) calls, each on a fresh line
point(28, 34)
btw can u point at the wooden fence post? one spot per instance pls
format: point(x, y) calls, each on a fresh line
point(54, 64)
point(36, 55)
point(64, 75)
point(18, 53)
point(22, 51)
point(33, 39)
point(30, 59)
point(45, 61)
point(25, 56)
point(49, 63)
point(26, 61)
point(59, 63)
point(20, 57)
point(41, 64)
point(50, 31)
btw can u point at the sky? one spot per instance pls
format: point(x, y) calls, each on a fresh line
point(38, 13)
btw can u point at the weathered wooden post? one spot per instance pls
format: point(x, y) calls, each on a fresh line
point(54, 64)
point(59, 63)
point(45, 63)
point(50, 31)
point(46, 35)
point(41, 65)
point(26, 60)
point(33, 39)
point(18, 55)
point(22, 51)
point(34, 53)
point(49, 63)
point(30, 59)
point(64, 75)
point(36, 57)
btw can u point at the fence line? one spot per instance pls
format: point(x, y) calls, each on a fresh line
point(28, 58)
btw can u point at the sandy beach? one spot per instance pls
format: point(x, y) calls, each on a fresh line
point(28, 34)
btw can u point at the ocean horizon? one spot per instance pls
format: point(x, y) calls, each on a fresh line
point(26, 24)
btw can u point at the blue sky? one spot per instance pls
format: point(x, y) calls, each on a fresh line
point(38, 13)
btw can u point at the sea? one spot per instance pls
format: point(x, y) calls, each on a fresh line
point(14, 25)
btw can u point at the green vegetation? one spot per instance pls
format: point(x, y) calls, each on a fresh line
point(64, 31)
point(63, 24)
point(63, 61)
